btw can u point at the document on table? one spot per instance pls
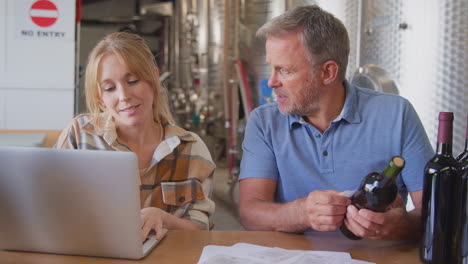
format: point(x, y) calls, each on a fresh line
point(243, 253)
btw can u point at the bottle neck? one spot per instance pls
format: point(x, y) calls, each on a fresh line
point(391, 171)
point(444, 148)
point(466, 134)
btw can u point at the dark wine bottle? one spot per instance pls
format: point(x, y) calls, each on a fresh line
point(377, 191)
point(463, 241)
point(439, 212)
point(463, 157)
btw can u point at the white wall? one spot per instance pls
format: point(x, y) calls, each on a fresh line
point(37, 66)
point(2, 106)
point(2, 59)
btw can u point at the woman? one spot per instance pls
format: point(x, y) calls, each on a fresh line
point(128, 111)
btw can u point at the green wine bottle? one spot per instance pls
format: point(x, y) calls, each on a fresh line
point(377, 191)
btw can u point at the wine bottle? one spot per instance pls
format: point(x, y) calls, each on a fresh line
point(463, 157)
point(377, 191)
point(463, 241)
point(442, 183)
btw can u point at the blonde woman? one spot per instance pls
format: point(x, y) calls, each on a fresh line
point(128, 111)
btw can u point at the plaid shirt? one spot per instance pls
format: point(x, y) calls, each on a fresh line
point(180, 177)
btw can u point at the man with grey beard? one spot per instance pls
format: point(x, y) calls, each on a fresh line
point(323, 135)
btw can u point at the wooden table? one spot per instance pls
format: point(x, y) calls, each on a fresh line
point(186, 247)
point(51, 135)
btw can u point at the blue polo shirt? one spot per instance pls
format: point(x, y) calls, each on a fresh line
point(371, 128)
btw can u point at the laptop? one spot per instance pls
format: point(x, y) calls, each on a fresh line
point(77, 202)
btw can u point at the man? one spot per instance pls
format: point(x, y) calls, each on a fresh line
point(323, 135)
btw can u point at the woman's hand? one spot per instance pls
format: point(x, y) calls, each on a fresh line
point(153, 219)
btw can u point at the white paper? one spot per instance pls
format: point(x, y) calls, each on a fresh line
point(355, 261)
point(244, 253)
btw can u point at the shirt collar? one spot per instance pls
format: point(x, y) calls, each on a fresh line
point(173, 136)
point(104, 127)
point(171, 131)
point(350, 111)
point(295, 121)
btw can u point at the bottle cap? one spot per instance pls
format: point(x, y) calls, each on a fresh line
point(446, 116)
point(398, 161)
point(445, 127)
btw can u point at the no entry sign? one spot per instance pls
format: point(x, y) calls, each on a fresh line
point(43, 19)
point(44, 13)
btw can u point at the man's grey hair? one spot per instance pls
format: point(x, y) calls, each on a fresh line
point(323, 35)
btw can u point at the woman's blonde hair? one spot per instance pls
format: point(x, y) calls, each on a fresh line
point(134, 53)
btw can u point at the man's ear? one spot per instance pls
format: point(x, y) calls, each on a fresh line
point(330, 71)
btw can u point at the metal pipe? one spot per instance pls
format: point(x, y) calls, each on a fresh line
point(226, 64)
point(176, 43)
point(358, 33)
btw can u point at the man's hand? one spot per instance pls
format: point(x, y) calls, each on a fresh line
point(368, 224)
point(326, 209)
point(153, 219)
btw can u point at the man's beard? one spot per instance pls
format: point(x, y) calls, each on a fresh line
point(305, 105)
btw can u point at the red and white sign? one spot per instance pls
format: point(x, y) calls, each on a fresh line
point(43, 19)
point(44, 13)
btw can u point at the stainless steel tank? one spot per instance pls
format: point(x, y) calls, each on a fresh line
point(449, 84)
point(420, 44)
point(422, 47)
point(253, 14)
